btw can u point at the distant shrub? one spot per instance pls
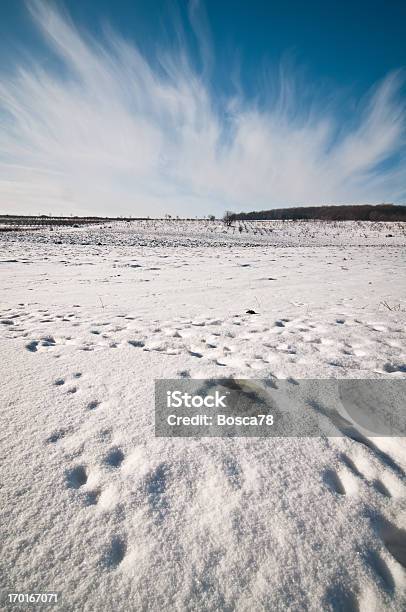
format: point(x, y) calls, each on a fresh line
point(229, 218)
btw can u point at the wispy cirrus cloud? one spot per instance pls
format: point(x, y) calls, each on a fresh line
point(114, 133)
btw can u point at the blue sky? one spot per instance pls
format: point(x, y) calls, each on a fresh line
point(193, 107)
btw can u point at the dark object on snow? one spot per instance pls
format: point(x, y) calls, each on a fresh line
point(251, 312)
point(389, 235)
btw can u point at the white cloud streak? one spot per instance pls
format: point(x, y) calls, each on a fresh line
point(114, 134)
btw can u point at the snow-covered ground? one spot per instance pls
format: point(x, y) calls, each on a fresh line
point(95, 506)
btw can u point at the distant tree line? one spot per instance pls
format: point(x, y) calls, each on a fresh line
point(49, 220)
point(365, 212)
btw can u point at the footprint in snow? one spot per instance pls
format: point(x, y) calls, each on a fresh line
point(376, 483)
point(337, 598)
point(76, 477)
point(380, 487)
point(57, 435)
point(92, 497)
point(393, 537)
point(332, 480)
point(46, 342)
point(351, 465)
point(32, 346)
point(381, 569)
point(115, 553)
point(136, 343)
point(114, 458)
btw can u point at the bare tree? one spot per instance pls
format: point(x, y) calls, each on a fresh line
point(229, 218)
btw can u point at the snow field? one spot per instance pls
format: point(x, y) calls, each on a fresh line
point(97, 507)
